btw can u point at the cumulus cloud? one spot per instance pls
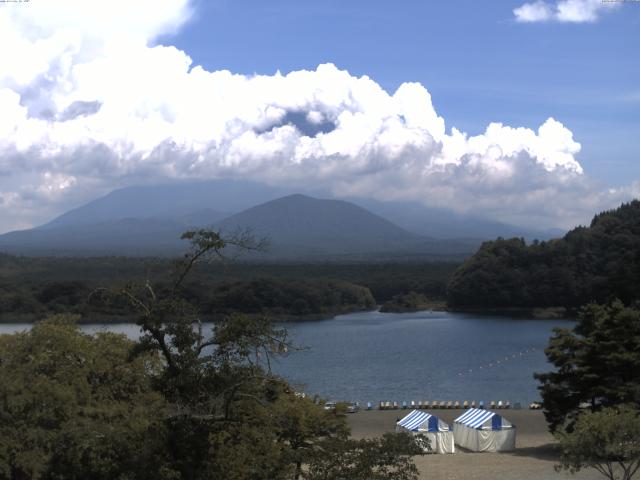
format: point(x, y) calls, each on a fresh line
point(574, 11)
point(89, 103)
point(534, 12)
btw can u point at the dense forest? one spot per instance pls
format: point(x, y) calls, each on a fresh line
point(276, 298)
point(589, 264)
point(409, 302)
point(32, 287)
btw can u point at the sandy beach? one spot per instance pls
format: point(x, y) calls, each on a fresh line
point(533, 459)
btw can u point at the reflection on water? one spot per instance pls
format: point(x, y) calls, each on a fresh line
point(375, 356)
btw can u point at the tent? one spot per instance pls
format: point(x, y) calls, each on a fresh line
point(484, 431)
point(422, 423)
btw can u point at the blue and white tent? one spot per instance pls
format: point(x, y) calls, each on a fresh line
point(422, 423)
point(484, 431)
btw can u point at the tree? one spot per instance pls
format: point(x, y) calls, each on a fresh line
point(607, 441)
point(596, 263)
point(385, 458)
point(233, 418)
point(220, 387)
point(303, 426)
point(176, 405)
point(76, 406)
point(597, 363)
point(408, 302)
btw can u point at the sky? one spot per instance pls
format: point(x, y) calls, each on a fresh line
point(524, 112)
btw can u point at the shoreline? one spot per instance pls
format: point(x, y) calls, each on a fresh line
point(536, 313)
point(98, 319)
point(552, 313)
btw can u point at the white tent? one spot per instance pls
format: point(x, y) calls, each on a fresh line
point(438, 432)
point(484, 431)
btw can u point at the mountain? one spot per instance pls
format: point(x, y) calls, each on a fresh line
point(297, 226)
point(299, 220)
point(140, 221)
point(185, 202)
point(441, 223)
point(148, 220)
point(176, 202)
point(129, 236)
point(302, 226)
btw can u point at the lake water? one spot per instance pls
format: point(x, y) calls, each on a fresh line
point(373, 356)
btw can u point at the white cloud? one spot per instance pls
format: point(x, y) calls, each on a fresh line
point(539, 11)
point(89, 104)
point(574, 11)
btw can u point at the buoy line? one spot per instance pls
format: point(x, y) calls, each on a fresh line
point(500, 361)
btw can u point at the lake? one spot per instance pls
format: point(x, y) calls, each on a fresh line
point(373, 356)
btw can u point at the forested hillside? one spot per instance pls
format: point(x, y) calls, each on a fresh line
point(280, 299)
point(32, 287)
point(594, 263)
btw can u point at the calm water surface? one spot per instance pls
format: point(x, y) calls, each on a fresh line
point(373, 356)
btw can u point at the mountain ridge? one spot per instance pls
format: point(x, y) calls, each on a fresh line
point(148, 221)
point(298, 227)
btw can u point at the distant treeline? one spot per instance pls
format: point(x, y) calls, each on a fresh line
point(280, 298)
point(410, 302)
point(589, 264)
point(33, 287)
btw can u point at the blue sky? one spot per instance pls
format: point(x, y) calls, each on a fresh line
point(478, 63)
point(540, 100)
